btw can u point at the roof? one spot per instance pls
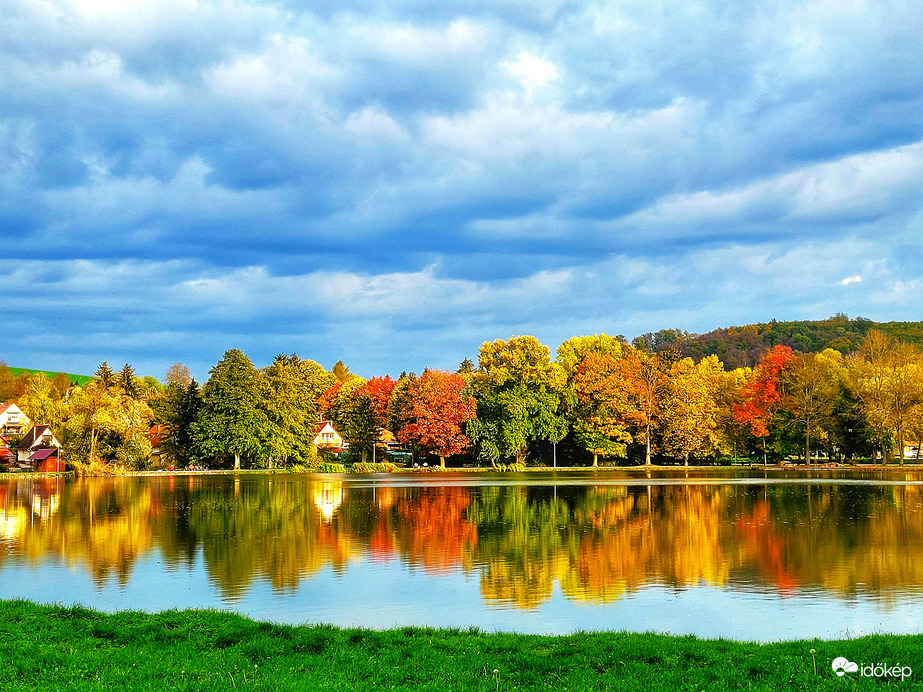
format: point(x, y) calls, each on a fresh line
point(4, 407)
point(323, 424)
point(42, 454)
point(31, 438)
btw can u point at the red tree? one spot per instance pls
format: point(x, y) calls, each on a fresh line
point(379, 390)
point(761, 393)
point(438, 409)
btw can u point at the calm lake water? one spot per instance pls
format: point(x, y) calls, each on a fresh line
point(755, 555)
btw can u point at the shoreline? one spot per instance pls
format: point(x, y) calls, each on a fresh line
point(435, 470)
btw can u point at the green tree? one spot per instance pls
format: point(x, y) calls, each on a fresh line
point(289, 390)
point(232, 420)
point(105, 375)
point(176, 410)
point(128, 381)
point(520, 398)
point(41, 402)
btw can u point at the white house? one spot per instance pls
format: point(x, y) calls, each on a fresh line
point(12, 420)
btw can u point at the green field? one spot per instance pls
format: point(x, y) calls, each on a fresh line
point(47, 647)
point(74, 379)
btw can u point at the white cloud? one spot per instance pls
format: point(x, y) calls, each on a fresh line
point(851, 280)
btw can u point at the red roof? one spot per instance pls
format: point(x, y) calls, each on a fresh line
point(42, 454)
point(4, 407)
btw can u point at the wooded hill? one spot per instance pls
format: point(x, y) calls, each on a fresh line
point(742, 346)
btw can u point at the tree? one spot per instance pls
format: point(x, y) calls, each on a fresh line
point(688, 409)
point(128, 381)
point(176, 411)
point(40, 402)
point(61, 384)
point(340, 371)
point(602, 411)
point(887, 379)
point(439, 408)
point(7, 382)
point(810, 386)
point(289, 390)
point(178, 373)
point(231, 420)
point(762, 392)
point(105, 425)
point(644, 372)
point(105, 375)
point(520, 397)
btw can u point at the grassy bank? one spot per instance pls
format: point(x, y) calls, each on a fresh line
point(47, 647)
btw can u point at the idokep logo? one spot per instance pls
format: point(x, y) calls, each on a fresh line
point(842, 666)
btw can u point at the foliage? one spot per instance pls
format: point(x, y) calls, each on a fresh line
point(176, 410)
point(178, 373)
point(231, 420)
point(688, 410)
point(520, 397)
point(603, 408)
point(105, 425)
point(439, 407)
point(368, 467)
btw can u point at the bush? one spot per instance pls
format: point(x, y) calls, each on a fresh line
point(515, 466)
point(368, 467)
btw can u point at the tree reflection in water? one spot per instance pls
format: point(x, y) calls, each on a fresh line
point(597, 543)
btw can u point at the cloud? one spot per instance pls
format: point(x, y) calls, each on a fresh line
point(405, 180)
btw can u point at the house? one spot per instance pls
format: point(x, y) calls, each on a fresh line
point(912, 450)
point(30, 452)
point(12, 420)
point(326, 437)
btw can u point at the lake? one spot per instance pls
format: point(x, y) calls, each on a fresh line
point(749, 555)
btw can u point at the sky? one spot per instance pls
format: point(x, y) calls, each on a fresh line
point(394, 182)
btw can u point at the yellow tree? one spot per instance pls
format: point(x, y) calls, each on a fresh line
point(887, 379)
point(602, 411)
point(103, 425)
point(40, 401)
point(811, 386)
point(688, 409)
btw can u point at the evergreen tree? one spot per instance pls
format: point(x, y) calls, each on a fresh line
point(105, 375)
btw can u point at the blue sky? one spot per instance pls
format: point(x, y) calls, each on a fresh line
point(392, 183)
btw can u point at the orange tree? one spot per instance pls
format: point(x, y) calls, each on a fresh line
point(438, 406)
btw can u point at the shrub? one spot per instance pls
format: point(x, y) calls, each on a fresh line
point(368, 467)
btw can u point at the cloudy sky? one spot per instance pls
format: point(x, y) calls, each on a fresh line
point(394, 182)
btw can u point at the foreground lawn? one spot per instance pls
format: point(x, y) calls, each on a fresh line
point(54, 648)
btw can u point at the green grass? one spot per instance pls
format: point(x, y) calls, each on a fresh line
point(47, 647)
point(74, 379)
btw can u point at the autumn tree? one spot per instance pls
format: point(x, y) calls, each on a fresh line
point(688, 409)
point(178, 373)
point(644, 373)
point(811, 387)
point(105, 425)
point(439, 408)
point(603, 405)
point(41, 402)
point(887, 379)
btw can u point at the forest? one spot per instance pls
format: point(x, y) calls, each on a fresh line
point(598, 400)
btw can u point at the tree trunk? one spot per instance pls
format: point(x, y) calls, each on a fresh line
point(686, 459)
point(595, 459)
point(442, 462)
point(237, 462)
point(647, 449)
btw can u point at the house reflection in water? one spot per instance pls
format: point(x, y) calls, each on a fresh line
point(328, 496)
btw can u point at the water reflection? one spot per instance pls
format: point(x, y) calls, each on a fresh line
point(596, 542)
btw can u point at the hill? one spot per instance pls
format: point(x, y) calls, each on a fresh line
point(74, 379)
point(742, 346)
